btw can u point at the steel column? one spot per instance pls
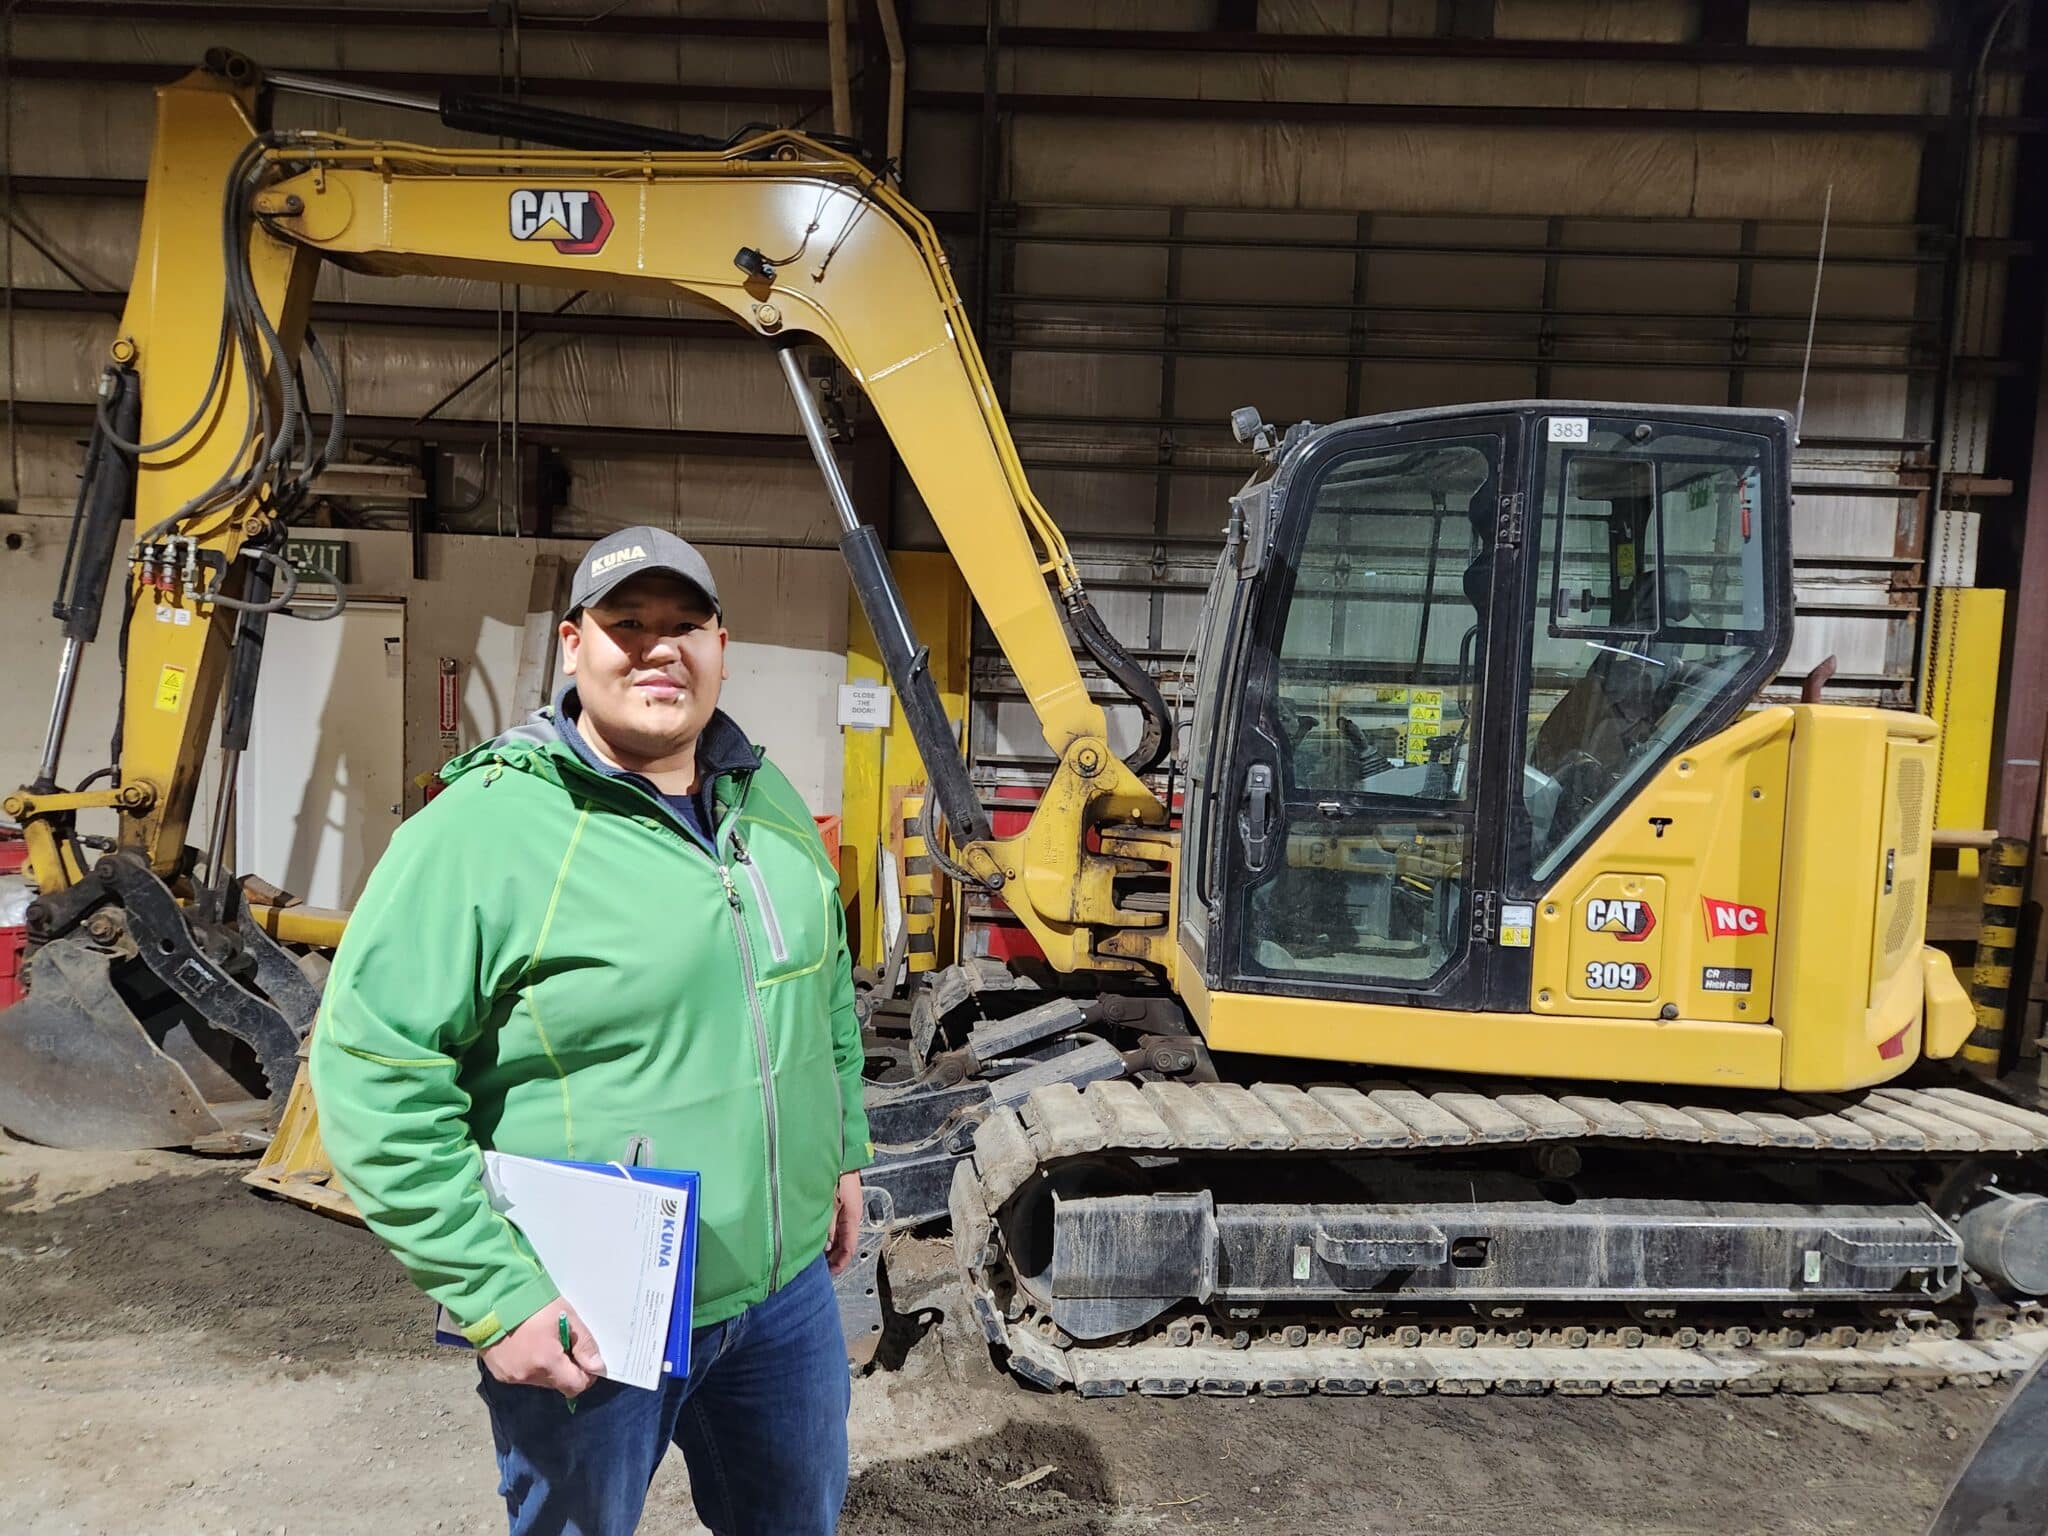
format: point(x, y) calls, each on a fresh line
point(2026, 690)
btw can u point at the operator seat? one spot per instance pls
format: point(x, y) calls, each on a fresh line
point(1607, 713)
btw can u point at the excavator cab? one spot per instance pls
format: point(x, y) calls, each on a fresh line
point(1443, 653)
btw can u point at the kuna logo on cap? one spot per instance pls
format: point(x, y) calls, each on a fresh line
point(604, 563)
point(576, 223)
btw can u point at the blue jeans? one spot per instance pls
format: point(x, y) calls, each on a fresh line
point(761, 1422)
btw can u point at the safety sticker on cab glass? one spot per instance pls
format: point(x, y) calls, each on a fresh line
point(1425, 723)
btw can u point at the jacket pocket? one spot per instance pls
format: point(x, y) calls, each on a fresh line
point(786, 896)
point(771, 920)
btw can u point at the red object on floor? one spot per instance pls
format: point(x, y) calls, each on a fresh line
point(14, 898)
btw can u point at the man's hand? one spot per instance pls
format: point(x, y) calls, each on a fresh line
point(531, 1355)
point(845, 1239)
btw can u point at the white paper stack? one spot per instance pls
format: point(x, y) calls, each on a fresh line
point(610, 1244)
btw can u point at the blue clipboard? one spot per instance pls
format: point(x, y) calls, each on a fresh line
point(675, 1355)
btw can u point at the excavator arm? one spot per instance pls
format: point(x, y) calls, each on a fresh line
point(793, 240)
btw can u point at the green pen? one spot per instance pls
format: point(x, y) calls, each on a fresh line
point(568, 1348)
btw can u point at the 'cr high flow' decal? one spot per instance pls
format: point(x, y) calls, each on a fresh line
point(576, 223)
point(1629, 921)
point(1733, 919)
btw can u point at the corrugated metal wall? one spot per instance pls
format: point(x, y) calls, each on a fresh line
point(80, 140)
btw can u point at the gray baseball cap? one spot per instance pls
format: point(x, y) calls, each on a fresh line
point(633, 551)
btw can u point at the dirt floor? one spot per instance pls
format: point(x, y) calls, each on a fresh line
point(181, 1356)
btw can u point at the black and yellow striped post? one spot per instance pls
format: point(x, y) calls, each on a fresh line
point(2003, 884)
point(920, 889)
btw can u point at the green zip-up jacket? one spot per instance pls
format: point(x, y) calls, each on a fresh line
point(546, 961)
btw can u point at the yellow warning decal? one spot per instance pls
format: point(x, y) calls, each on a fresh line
point(1425, 720)
point(170, 689)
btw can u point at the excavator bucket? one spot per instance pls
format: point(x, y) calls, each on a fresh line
point(294, 1166)
point(97, 1055)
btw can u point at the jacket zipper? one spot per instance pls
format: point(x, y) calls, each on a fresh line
point(778, 947)
point(739, 928)
point(746, 949)
point(767, 1070)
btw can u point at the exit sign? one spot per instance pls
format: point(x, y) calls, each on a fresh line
point(319, 559)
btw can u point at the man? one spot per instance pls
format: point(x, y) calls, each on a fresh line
point(617, 936)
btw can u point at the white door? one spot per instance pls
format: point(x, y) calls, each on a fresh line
point(323, 781)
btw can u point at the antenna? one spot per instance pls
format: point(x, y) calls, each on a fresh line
point(1813, 312)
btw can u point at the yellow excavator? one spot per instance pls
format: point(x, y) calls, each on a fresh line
point(1516, 1003)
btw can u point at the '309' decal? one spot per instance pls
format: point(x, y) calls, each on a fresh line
point(1617, 976)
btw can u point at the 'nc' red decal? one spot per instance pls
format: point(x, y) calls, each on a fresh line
point(1733, 919)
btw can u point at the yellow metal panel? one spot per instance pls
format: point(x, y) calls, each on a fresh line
point(1838, 1028)
point(1191, 988)
point(1616, 944)
point(1631, 1050)
point(1964, 635)
point(1708, 828)
point(881, 764)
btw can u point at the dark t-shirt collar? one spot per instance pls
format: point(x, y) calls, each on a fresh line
point(723, 748)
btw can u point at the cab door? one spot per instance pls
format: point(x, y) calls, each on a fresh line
point(1360, 813)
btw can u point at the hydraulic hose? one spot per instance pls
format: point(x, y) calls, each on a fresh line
point(1129, 674)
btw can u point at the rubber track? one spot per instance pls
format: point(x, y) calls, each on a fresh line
point(1060, 1122)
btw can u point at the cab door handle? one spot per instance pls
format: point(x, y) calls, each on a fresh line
point(1255, 816)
